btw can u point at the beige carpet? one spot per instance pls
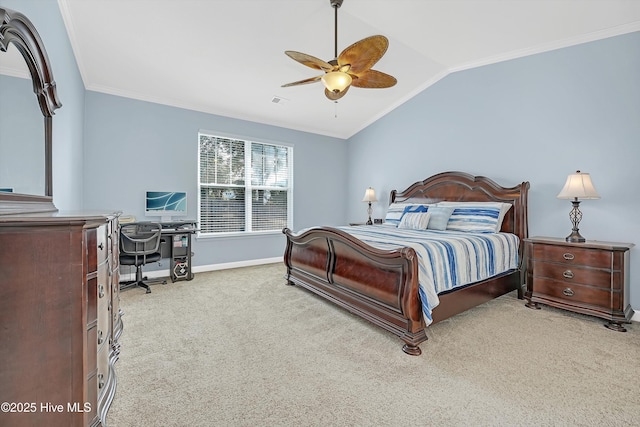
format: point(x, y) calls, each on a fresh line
point(240, 348)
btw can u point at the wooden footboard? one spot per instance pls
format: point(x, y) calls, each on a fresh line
point(380, 286)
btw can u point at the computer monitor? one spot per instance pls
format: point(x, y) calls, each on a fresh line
point(166, 204)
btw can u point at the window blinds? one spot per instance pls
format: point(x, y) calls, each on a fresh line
point(244, 186)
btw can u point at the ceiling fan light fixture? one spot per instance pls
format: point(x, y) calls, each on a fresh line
point(336, 81)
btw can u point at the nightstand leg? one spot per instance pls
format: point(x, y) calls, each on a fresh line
point(533, 305)
point(615, 326)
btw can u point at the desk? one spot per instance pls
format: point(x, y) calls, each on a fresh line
point(175, 244)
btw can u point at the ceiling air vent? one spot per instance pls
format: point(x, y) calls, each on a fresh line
point(279, 100)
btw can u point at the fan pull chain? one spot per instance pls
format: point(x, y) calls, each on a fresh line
point(335, 113)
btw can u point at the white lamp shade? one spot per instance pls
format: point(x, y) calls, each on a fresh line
point(336, 81)
point(578, 186)
point(369, 195)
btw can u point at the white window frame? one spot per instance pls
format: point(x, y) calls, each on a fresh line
point(248, 187)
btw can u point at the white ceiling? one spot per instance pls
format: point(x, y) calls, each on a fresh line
point(226, 57)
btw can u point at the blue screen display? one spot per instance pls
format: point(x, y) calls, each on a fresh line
point(163, 201)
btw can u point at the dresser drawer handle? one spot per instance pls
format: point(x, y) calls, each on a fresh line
point(568, 274)
point(568, 256)
point(568, 292)
point(101, 291)
point(101, 246)
point(100, 339)
point(100, 381)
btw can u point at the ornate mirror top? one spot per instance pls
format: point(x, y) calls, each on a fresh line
point(25, 146)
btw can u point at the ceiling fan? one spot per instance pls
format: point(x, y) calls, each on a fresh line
point(351, 68)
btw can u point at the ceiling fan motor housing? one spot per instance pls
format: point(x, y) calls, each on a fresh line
point(336, 3)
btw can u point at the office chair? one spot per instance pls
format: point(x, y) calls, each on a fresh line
point(139, 245)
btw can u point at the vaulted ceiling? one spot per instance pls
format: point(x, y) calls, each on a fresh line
point(227, 57)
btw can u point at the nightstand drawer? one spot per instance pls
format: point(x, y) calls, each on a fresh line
point(568, 293)
point(573, 274)
point(572, 255)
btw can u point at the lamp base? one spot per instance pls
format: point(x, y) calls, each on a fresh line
point(575, 215)
point(575, 237)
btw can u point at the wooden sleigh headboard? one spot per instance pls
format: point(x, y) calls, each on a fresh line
point(461, 186)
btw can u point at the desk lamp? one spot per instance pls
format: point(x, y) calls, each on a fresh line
point(370, 197)
point(578, 186)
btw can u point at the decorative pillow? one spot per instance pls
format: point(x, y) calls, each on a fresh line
point(397, 210)
point(439, 217)
point(415, 220)
point(476, 217)
point(416, 208)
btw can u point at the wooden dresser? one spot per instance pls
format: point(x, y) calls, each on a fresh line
point(59, 318)
point(589, 278)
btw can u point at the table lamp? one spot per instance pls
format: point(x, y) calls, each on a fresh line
point(578, 186)
point(370, 197)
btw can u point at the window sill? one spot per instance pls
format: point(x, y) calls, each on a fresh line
point(239, 235)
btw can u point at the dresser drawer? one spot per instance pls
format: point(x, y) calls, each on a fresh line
point(572, 255)
point(92, 300)
point(573, 274)
point(103, 368)
point(569, 293)
point(92, 351)
point(103, 244)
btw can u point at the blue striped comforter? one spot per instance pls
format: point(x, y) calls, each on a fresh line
point(447, 259)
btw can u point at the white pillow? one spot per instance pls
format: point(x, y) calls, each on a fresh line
point(415, 220)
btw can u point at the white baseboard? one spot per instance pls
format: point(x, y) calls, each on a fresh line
point(203, 268)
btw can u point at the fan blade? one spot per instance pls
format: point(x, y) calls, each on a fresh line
point(303, 82)
point(335, 96)
point(373, 79)
point(362, 55)
point(309, 61)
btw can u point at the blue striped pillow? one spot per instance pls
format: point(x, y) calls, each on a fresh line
point(476, 217)
point(397, 210)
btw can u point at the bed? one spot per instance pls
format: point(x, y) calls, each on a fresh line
point(383, 285)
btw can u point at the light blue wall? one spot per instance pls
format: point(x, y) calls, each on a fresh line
point(99, 167)
point(535, 119)
point(133, 146)
point(68, 121)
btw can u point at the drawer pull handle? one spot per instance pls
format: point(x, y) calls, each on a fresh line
point(568, 274)
point(568, 256)
point(100, 337)
point(568, 292)
point(100, 381)
point(101, 246)
point(101, 291)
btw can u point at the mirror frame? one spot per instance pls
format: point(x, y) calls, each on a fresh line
point(16, 28)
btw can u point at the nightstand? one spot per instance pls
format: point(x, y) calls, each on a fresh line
point(589, 278)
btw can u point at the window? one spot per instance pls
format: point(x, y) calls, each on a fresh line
point(244, 186)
